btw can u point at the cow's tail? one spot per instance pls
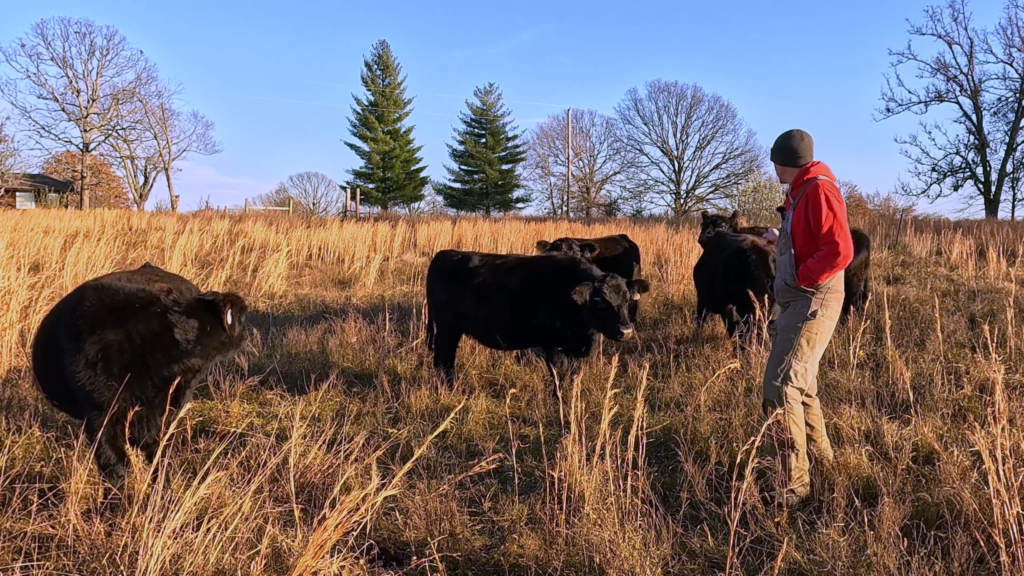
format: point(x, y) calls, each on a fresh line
point(430, 328)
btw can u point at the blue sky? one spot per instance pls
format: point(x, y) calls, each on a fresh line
point(277, 77)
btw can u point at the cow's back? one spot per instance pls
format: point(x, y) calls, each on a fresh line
point(153, 278)
point(617, 255)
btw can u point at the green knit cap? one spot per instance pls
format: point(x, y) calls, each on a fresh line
point(794, 148)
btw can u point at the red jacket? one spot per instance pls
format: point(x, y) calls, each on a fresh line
point(822, 245)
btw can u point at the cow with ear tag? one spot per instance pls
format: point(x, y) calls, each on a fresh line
point(122, 349)
point(611, 254)
point(556, 302)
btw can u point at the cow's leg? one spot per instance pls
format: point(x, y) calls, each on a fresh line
point(559, 368)
point(848, 301)
point(147, 428)
point(106, 438)
point(733, 321)
point(863, 289)
point(702, 313)
point(446, 343)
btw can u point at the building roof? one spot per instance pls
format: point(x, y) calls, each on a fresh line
point(35, 183)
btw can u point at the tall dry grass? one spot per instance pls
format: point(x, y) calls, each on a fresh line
point(327, 446)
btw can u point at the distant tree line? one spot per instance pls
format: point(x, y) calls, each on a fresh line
point(93, 105)
point(670, 146)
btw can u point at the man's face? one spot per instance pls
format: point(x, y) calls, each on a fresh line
point(779, 173)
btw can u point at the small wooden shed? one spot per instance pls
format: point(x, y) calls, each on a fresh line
point(24, 191)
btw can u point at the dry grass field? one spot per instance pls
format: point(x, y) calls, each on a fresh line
point(327, 446)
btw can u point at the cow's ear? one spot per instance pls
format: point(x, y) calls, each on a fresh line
point(588, 249)
point(638, 286)
point(163, 290)
point(735, 216)
point(581, 294)
point(704, 215)
point(543, 245)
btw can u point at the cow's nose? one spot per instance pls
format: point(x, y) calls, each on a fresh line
point(627, 332)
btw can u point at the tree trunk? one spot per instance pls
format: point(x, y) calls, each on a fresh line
point(170, 190)
point(991, 208)
point(83, 192)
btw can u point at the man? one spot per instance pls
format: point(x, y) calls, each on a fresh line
point(813, 248)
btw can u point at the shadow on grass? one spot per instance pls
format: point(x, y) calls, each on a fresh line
point(296, 351)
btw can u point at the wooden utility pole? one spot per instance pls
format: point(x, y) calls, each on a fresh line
point(568, 157)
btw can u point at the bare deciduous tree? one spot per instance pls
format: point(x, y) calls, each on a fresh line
point(1015, 182)
point(545, 167)
point(176, 133)
point(278, 197)
point(598, 164)
point(71, 79)
point(976, 79)
point(690, 148)
point(11, 160)
point(137, 163)
point(132, 150)
point(313, 194)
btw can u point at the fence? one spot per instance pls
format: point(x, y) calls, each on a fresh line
point(290, 209)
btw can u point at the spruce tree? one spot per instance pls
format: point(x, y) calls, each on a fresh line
point(487, 152)
point(392, 172)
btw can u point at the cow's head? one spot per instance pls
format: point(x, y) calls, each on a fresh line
point(711, 223)
point(221, 318)
point(585, 250)
point(606, 304)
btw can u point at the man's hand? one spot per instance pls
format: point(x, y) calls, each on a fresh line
point(772, 236)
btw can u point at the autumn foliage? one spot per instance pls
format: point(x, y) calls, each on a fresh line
point(106, 189)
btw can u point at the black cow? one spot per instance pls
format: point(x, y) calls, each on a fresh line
point(122, 342)
point(733, 275)
point(711, 223)
point(857, 281)
point(611, 254)
point(555, 302)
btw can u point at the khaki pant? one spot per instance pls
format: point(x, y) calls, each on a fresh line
point(805, 324)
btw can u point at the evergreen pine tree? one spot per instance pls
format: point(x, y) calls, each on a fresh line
point(487, 153)
point(392, 172)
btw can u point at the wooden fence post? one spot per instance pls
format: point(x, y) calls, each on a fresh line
point(899, 229)
point(357, 203)
point(348, 199)
point(291, 203)
point(245, 210)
